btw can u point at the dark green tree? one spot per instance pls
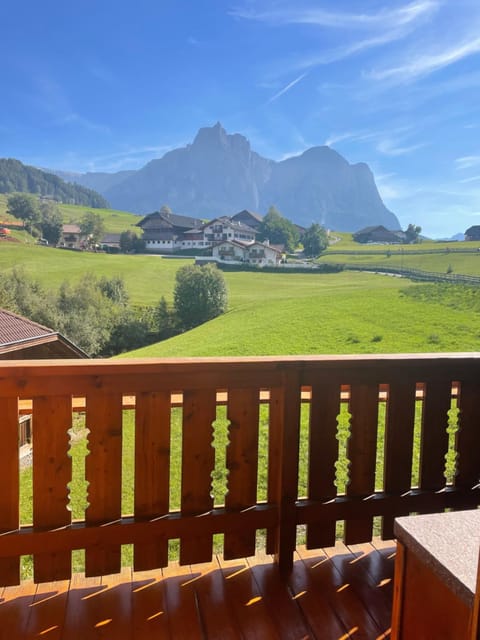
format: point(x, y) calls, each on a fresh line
point(50, 222)
point(131, 243)
point(92, 227)
point(412, 234)
point(200, 294)
point(164, 320)
point(314, 240)
point(24, 207)
point(279, 230)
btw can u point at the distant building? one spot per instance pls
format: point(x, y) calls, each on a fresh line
point(164, 232)
point(168, 232)
point(379, 234)
point(110, 241)
point(253, 220)
point(473, 233)
point(23, 339)
point(257, 253)
point(71, 237)
point(226, 228)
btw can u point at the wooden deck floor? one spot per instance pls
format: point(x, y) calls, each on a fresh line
point(332, 594)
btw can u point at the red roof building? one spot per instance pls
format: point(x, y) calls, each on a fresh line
point(22, 339)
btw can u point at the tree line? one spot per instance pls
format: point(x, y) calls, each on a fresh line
point(97, 315)
point(18, 177)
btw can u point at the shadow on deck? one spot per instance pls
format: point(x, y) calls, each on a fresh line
point(332, 594)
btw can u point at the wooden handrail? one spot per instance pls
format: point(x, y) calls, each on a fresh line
point(390, 410)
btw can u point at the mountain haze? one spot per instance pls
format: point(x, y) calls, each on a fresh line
point(219, 174)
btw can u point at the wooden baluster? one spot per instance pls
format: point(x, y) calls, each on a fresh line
point(242, 464)
point(398, 450)
point(9, 481)
point(103, 467)
point(288, 470)
point(361, 451)
point(198, 459)
point(468, 436)
point(275, 429)
point(152, 472)
point(52, 471)
point(434, 443)
point(323, 454)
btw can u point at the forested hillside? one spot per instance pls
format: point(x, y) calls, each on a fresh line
point(15, 176)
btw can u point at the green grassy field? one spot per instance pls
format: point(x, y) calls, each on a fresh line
point(343, 313)
point(464, 263)
point(115, 221)
point(147, 278)
point(269, 313)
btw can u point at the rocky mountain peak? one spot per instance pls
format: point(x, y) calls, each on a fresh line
point(218, 174)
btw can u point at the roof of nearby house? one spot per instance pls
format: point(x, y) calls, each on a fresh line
point(71, 228)
point(236, 243)
point(110, 238)
point(19, 333)
point(171, 219)
point(229, 222)
point(246, 213)
point(378, 227)
point(265, 246)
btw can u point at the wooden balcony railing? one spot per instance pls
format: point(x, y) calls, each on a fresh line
point(307, 441)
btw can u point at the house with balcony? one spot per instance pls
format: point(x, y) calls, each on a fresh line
point(168, 232)
point(164, 232)
point(257, 253)
point(281, 545)
point(71, 237)
point(225, 228)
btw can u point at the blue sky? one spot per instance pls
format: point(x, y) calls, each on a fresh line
point(105, 86)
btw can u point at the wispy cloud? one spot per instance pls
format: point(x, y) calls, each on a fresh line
point(77, 120)
point(388, 141)
point(392, 147)
point(352, 136)
point(340, 20)
point(472, 179)
point(378, 29)
point(467, 161)
point(425, 64)
point(289, 86)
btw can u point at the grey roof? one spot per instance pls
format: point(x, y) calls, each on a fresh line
point(173, 219)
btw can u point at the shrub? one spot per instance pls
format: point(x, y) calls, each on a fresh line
point(200, 294)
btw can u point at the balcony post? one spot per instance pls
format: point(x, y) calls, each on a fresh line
point(287, 487)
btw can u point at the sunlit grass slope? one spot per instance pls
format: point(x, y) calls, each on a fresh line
point(342, 313)
point(464, 263)
point(147, 278)
point(115, 221)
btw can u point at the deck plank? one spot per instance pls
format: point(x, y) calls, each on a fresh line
point(47, 613)
point(318, 611)
point(181, 603)
point(334, 584)
point(149, 607)
point(248, 607)
point(214, 607)
point(283, 610)
point(332, 594)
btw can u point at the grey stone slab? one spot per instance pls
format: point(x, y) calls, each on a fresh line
point(448, 543)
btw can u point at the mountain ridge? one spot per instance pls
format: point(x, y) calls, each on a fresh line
point(219, 173)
